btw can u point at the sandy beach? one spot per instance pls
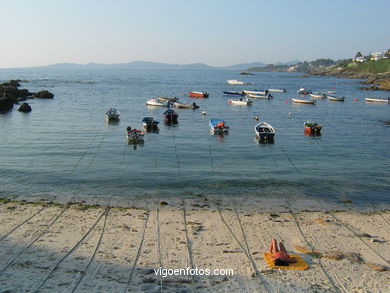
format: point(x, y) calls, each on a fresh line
point(55, 247)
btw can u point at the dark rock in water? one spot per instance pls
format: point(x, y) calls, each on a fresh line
point(24, 108)
point(43, 95)
point(11, 83)
point(6, 104)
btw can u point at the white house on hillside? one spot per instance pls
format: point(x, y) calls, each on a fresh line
point(359, 59)
point(376, 56)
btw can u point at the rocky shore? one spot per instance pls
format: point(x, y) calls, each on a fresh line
point(11, 94)
point(376, 81)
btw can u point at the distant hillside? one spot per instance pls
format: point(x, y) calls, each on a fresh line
point(131, 65)
point(305, 66)
point(147, 65)
point(244, 66)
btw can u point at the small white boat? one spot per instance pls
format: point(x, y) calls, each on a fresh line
point(168, 99)
point(276, 90)
point(303, 91)
point(255, 92)
point(374, 100)
point(157, 102)
point(267, 96)
point(338, 99)
point(112, 114)
point(240, 102)
point(317, 95)
point(264, 131)
point(238, 82)
point(300, 101)
point(185, 105)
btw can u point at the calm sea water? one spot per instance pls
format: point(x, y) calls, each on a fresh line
point(64, 147)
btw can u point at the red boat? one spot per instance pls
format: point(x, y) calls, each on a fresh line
point(312, 128)
point(198, 94)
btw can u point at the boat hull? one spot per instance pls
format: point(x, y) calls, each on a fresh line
point(277, 90)
point(307, 102)
point(266, 136)
point(373, 100)
point(336, 99)
point(150, 123)
point(316, 96)
point(264, 131)
point(255, 92)
point(233, 93)
point(265, 97)
point(112, 117)
point(157, 104)
point(170, 116)
point(185, 106)
point(240, 103)
point(198, 94)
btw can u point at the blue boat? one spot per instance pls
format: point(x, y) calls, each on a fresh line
point(218, 126)
point(171, 116)
point(233, 93)
point(150, 123)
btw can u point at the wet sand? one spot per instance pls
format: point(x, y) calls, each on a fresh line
point(49, 247)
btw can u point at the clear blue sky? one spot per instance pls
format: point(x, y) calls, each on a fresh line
point(215, 32)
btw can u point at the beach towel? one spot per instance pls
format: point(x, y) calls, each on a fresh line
point(299, 265)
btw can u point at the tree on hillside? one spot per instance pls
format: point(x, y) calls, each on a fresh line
point(387, 54)
point(358, 54)
point(322, 62)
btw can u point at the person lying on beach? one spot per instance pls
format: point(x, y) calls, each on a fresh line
point(279, 254)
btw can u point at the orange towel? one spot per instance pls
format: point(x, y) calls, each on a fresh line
point(299, 265)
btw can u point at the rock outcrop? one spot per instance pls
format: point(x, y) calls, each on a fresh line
point(10, 94)
point(26, 108)
point(43, 95)
point(6, 104)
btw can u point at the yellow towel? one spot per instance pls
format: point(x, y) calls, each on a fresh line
point(299, 265)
